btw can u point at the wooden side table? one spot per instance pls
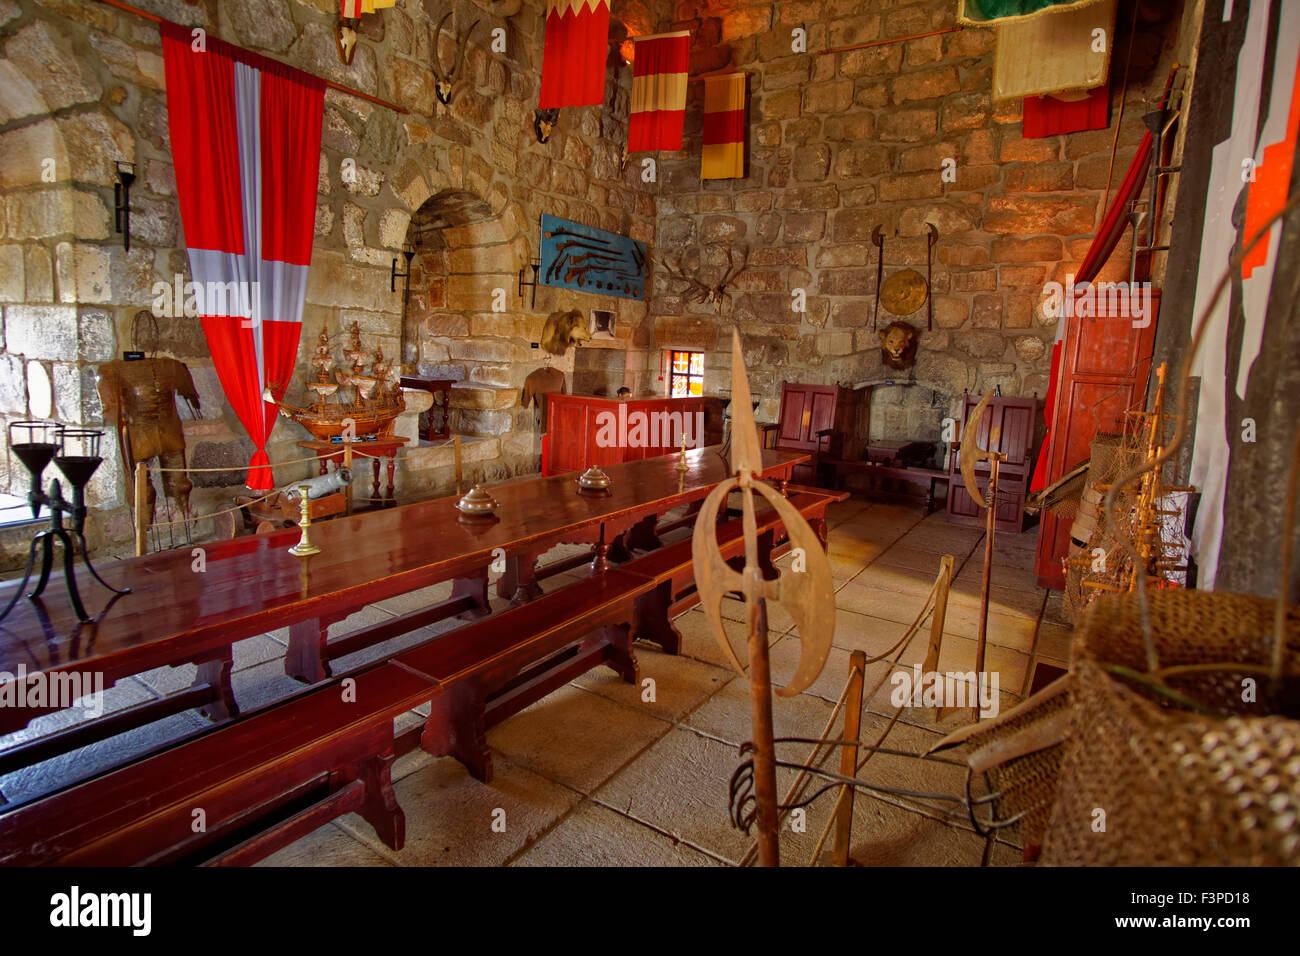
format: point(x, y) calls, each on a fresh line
point(440, 389)
point(381, 448)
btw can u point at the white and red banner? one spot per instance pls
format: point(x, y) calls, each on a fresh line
point(354, 8)
point(660, 69)
point(245, 134)
point(575, 53)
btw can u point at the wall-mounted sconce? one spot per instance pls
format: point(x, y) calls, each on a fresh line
point(536, 266)
point(544, 122)
point(408, 253)
point(122, 202)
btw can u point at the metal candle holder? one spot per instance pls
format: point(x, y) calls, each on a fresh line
point(76, 452)
point(304, 548)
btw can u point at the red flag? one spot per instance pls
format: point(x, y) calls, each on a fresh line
point(1050, 115)
point(659, 74)
point(573, 59)
point(245, 135)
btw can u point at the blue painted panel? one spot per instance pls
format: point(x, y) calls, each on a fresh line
point(585, 259)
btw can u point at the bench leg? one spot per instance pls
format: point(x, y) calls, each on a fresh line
point(305, 658)
point(622, 658)
point(650, 621)
point(474, 587)
point(216, 674)
point(381, 809)
point(619, 550)
point(455, 728)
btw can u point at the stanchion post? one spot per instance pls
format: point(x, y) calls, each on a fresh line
point(849, 756)
point(141, 504)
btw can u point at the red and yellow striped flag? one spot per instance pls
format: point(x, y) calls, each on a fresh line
point(574, 53)
point(354, 8)
point(659, 72)
point(724, 127)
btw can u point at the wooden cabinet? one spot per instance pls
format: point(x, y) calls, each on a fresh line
point(586, 430)
point(1105, 362)
point(821, 419)
point(1010, 422)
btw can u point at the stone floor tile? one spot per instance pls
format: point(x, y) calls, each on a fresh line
point(913, 559)
point(726, 715)
point(575, 737)
point(1054, 642)
point(876, 602)
point(331, 845)
point(595, 835)
point(450, 815)
point(681, 683)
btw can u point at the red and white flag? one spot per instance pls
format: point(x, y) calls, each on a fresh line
point(245, 135)
point(575, 53)
point(723, 155)
point(659, 73)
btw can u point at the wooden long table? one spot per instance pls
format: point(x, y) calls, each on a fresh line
point(178, 614)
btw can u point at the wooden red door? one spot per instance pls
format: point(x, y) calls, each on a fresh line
point(1105, 362)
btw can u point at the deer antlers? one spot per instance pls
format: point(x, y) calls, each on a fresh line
point(442, 88)
point(697, 290)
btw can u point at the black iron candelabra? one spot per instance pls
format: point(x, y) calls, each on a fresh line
point(76, 452)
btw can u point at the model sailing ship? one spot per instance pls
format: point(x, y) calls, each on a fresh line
point(363, 393)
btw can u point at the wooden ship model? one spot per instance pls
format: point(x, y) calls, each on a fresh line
point(363, 393)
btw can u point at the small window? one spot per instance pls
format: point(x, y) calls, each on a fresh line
point(685, 374)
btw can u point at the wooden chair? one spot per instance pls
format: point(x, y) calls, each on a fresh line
point(818, 419)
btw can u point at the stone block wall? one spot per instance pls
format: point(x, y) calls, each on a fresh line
point(81, 84)
point(842, 143)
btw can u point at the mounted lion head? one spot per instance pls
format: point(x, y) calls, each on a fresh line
point(898, 344)
point(563, 329)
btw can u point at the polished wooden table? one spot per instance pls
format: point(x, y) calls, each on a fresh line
point(176, 614)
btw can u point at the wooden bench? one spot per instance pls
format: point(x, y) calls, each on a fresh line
point(248, 787)
point(498, 666)
point(672, 572)
point(926, 478)
point(269, 778)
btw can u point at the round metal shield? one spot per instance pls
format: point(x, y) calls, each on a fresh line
point(904, 292)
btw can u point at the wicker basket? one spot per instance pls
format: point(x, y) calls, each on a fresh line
point(1177, 787)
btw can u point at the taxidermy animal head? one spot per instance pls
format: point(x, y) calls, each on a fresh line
point(345, 41)
point(563, 329)
point(544, 121)
point(898, 344)
point(444, 81)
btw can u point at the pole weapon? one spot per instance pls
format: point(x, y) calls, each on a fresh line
point(808, 595)
point(971, 454)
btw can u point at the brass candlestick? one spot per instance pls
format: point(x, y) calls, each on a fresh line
point(304, 548)
point(681, 459)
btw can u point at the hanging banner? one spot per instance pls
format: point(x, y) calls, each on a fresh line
point(659, 74)
point(724, 127)
point(575, 53)
point(245, 134)
point(1073, 113)
point(981, 12)
point(1065, 52)
point(587, 259)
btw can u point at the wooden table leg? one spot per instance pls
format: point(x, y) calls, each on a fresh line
point(642, 534)
point(473, 587)
point(323, 463)
point(600, 563)
point(392, 465)
point(305, 658)
point(216, 674)
point(455, 728)
point(374, 488)
point(522, 586)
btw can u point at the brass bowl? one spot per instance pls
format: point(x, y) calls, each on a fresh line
point(477, 503)
point(594, 480)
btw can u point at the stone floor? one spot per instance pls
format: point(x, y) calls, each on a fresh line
point(605, 773)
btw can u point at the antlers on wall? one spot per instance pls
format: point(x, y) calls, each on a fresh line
point(442, 88)
point(697, 290)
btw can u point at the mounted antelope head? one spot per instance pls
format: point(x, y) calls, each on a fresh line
point(697, 290)
point(442, 87)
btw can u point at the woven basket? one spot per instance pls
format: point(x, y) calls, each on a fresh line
point(1177, 787)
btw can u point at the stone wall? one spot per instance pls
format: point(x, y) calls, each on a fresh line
point(842, 143)
point(82, 84)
